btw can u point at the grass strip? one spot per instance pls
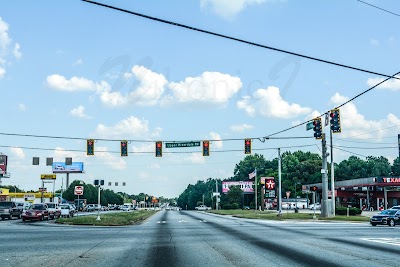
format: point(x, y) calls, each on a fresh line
point(272, 215)
point(109, 219)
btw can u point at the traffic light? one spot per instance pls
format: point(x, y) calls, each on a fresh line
point(158, 149)
point(247, 146)
point(317, 128)
point(313, 188)
point(90, 147)
point(335, 121)
point(96, 182)
point(124, 148)
point(206, 148)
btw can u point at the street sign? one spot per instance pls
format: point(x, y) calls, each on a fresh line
point(78, 190)
point(48, 176)
point(269, 193)
point(42, 189)
point(181, 144)
point(309, 125)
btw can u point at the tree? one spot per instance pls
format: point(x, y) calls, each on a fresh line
point(234, 196)
point(396, 167)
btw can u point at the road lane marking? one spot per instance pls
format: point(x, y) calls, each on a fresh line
point(389, 241)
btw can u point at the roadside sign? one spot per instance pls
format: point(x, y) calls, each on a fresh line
point(181, 144)
point(42, 189)
point(48, 176)
point(309, 125)
point(78, 190)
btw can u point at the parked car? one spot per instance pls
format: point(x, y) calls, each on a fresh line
point(90, 207)
point(126, 208)
point(36, 212)
point(66, 211)
point(389, 217)
point(395, 208)
point(316, 206)
point(54, 210)
point(202, 207)
point(10, 209)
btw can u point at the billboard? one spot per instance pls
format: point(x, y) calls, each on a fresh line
point(60, 167)
point(3, 164)
point(247, 186)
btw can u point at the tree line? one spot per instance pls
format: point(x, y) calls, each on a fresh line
point(298, 168)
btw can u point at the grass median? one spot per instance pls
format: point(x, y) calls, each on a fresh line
point(273, 215)
point(109, 219)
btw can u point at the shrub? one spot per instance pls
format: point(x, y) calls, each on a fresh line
point(343, 211)
point(235, 206)
point(227, 207)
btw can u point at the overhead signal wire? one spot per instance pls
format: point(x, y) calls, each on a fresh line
point(236, 39)
point(349, 152)
point(377, 7)
point(341, 105)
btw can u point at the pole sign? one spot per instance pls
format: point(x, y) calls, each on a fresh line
point(42, 189)
point(78, 190)
point(48, 176)
point(309, 125)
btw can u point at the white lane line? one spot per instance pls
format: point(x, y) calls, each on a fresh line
point(389, 241)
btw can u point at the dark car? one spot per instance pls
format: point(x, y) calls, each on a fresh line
point(389, 217)
point(36, 212)
point(9, 209)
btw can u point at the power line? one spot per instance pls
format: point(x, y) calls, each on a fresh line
point(348, 101)
point(350, 152)
point(236, 39)
point(385, 10)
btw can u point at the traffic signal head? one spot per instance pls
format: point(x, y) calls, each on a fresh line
point(90, 147)
point(206, 148)
point(317, 128)
point(247, 146)
point(96, 182)
point(335, 121)
point(124, 148)
point(158, 149)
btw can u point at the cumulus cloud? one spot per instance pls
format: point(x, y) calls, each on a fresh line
point(197, 158)
point(109, 159)
point(59, 82)
point(125, 129)
point(239, 128)
point(79, 112)
point(355, 125)
point(6, 47)
point(18, 152)
point(147, 93)
point(216, 144)
point(269, 103)
point(228, 8)
point(210, 88)
point(392, 84)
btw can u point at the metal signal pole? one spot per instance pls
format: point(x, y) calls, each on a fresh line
point(324, 208)
point(280, 183)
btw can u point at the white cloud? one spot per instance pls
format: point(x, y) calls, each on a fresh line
point(5, 47)
point(216, 144)
point(79, 112)
point(59, 82)
point(269, 103)
point(60, 154)
point(197, 158)
point(355, 125)
point(22, 107)
point(79, 61)
point(228, 8)
point(18, 152)
point(126, 129)
point(17, 51)
point(109, 159)
point(210, 88)
point(147, 93)
point(239, 128)
point(374, 42)
point(392, 84)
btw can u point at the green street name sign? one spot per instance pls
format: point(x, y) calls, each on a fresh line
point(181, 144)
point(309, 125)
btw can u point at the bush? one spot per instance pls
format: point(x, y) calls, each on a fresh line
point(235, 206)
point(343, 211)
point(227, 207)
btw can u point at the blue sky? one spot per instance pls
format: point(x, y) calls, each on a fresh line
point(74, 69)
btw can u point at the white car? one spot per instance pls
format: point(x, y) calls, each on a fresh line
point(126, 208)
point(202, 207)
point(316, 205)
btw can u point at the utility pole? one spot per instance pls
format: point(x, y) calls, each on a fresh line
point(256, 190)
point(216, 196)
point(333, 197)
point(280, 183)
point(324, 208)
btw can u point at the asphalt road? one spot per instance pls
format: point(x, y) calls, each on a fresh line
point(189, 238)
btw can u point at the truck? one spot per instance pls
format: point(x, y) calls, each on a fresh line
point(81, 204)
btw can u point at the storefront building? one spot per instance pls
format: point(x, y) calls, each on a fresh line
point(31, 197)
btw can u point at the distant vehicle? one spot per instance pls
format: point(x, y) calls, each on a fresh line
point(90, 208)
point(54, 210)
point(10, 209)
point(316, 206)
point(246, 208)
point(395, 208)
point(66, 210)
point(202, 207)
point(389, 217)
point(81, 206)
point(126, 208)
point(36, 212)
